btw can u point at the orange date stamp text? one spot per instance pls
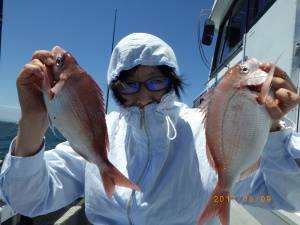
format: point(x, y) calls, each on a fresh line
point(265, 199)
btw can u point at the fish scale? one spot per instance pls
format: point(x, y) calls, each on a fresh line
point(252, 116)
point(74, 103)
point(236, 125)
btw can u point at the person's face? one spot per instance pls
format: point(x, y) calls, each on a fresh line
point(144, 96)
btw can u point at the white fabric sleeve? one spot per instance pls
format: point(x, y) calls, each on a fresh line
point(44, 182)
point(278, 177)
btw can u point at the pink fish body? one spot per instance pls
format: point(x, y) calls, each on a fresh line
point(237, 125)
point(75, 106)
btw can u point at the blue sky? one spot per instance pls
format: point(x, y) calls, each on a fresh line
point(85, 29)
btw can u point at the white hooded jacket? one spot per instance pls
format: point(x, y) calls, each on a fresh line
point(161, 148)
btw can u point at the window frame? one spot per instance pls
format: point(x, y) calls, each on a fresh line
point(216, 65)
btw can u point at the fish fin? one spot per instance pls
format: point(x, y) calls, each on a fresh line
point(58, 135)
point(252, 168)
point(210, 158)
point(267, 84)
point(53, 128)
point(111, 176)
point(203, 107)
point(216, 207)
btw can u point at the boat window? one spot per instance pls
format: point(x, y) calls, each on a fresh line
point(236, 25)
point(257, 9)
point(242, 15)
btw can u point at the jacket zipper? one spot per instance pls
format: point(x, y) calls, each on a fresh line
point(129, 206)
point(142, 118)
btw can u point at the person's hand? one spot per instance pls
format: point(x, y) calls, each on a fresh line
point(33, 122)
point(285, 95)
point(29, 83)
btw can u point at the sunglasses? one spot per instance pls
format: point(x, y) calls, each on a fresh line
point(132, 87)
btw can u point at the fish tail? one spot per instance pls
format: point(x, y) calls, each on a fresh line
point(111, 176)
point(218, 205)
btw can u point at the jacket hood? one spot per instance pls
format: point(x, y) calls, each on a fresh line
point(140, 49)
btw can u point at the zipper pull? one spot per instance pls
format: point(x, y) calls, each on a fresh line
point(142, 119)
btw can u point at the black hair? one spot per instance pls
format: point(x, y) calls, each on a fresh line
point(176, 82)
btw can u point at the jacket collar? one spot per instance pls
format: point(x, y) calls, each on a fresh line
point(165, 107)
point(163, 114)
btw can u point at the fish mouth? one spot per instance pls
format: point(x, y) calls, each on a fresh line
point(255, 88)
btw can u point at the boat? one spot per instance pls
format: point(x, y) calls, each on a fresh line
point(242, 28)
point(266, 30)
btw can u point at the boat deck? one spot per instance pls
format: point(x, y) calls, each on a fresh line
point(74, 215)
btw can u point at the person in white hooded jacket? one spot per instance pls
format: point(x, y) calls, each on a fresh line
point(155, 140)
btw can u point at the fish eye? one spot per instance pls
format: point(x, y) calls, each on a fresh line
point(59, 62)
point(244, 70)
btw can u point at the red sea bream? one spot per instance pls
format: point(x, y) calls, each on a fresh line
point(237, 125)
point(75, 106)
